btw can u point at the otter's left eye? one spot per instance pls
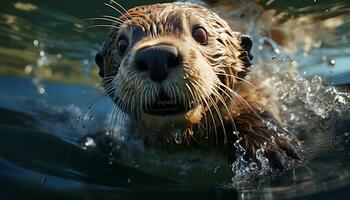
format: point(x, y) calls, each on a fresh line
point(200, 35)
point(122, 46)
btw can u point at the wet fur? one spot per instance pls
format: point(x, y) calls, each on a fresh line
point(233, 105)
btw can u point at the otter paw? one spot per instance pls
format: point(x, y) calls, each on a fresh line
point(284, 155)
point(282, 150)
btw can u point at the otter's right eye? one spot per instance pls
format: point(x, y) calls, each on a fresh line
point(122, 46)
point(200, 35)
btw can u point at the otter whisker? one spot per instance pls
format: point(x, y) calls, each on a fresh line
point(230, 115)
point(89, 105)
point(146, 99)
point(113, 18)
point(108, 78)
point(148, 95)
point(196, 100)
point(236, 95)
point(185, 100)
point(240, 98)
point(224, 104)
point(209, 109)
point(116, 9)
point(140, 122)
point(104, 19)
point(102, 25)
point(218, 112)
point(119, 104)
point(128, 107)
point(132, 19)
point(236, 77)
point(113, 120)
point(141, 101)
point(120, 121)
point(173, 92)
point(114, 115)
point(206, 125)
point(109, 88)
point(228, 111)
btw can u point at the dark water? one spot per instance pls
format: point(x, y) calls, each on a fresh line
point(48, 80)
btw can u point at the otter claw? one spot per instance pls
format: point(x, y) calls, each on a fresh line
point(292, 151)
point(276, 159)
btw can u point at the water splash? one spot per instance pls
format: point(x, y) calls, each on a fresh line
point(246, 171)
point(278, 52)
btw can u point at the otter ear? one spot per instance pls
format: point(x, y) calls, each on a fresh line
point(99, 62)
point(246, 56)
point(247, 43)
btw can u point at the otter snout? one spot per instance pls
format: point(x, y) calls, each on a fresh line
point(157, 61)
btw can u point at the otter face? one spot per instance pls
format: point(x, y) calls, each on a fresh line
point(168, 65)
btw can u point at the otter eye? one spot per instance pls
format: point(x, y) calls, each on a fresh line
point(122, 46)
point(200, 35)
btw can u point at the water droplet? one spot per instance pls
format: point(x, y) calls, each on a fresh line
point(85, 61)
point(42, 53)
point(274, 57)
point(35, 43)
point(331, 62)
point(326, 10)
point(270, 126)
point(216, 169)
point(277, 51)
point(91, 117)
point(90, 142)
point(41, 90)
point(235, 133)
point(28, 69)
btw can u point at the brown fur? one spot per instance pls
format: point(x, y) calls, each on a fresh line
point(211, 75)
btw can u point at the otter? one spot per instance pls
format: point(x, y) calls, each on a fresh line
point(179, 72)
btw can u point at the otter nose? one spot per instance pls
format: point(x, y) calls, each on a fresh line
point(157, 60)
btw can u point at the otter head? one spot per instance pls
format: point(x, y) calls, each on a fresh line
point(170, 65)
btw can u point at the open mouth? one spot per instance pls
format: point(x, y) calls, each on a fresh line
point(165, 106)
